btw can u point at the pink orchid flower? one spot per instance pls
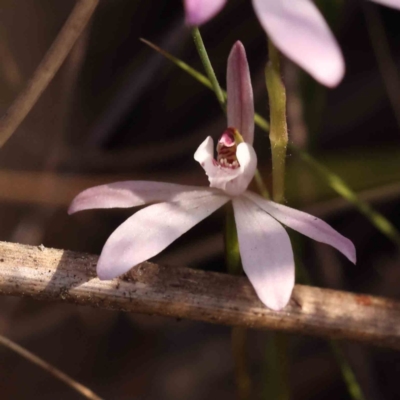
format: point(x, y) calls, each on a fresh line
point(297, 29)
point(265, 248)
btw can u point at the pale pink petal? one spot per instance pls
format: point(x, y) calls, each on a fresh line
point(389, 3)
point(200, 11)
point(240, 93)
point(247, 159)
point(217, 176)
point(232, 181)
point(298, 29)
point(130, 194)
point(307, 225)
point(266, 253)
point(151, 230)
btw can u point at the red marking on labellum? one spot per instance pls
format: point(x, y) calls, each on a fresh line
point(226, 150)
point(228, 138)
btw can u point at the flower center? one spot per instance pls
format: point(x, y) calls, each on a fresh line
point(226, 148)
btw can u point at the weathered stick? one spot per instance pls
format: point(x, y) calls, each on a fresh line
point(46, 70)
point(57, 275)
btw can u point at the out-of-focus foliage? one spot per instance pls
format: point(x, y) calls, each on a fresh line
point(117, 110)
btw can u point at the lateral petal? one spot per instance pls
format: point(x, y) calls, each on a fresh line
point(247, 159)
point(240, 107)
point(131, 194)
point(151, 230)
point(389, 3)
point(200, 11)
point(307, 225)
point(266, 253)
point(298, 29)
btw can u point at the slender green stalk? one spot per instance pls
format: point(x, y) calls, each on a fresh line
point(182, 65)
point(339, 186)
point(238, 334)
point(276, 357)
point(198, 41)
point(232, 253)
point(276, 372)
point(278, 129)
point(347, 373)
point(261, 185)
point(239, 351)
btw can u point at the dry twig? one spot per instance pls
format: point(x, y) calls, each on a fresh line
point(57, 275)
point(83, 390)
point(46, 70)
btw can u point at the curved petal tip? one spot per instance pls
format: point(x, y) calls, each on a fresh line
point(307, 225)
point(104, 272)
point(198, 12)
point(299, 30)
point(240, 108)
point(275, 301)
point(350, 252)
point(389, 3)
point(266, 253)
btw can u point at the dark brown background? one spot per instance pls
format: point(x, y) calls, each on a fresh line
point(116, 110)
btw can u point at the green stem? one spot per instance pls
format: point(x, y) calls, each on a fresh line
point(238, 334)
point(232, 254)
point(239, 351)
point(276, 358)
point(198, 41)
point(340, 187)
point(276, 372)
point(261, 185)
point(347, 373)
point(278, 128)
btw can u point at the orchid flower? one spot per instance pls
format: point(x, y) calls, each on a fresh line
point(265, 247)
point(296, 27)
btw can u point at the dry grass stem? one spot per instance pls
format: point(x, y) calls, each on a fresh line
point(48, 67)
point(66, 276)
point(83, 390)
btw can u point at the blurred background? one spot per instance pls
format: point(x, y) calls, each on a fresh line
point(118, 110)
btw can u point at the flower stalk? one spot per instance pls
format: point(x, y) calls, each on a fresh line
point(278, 127)
point(276, 360)
point(238, 333)
point(198, 41)
point(276, 372)
point(232, 254)
point(348, 375)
